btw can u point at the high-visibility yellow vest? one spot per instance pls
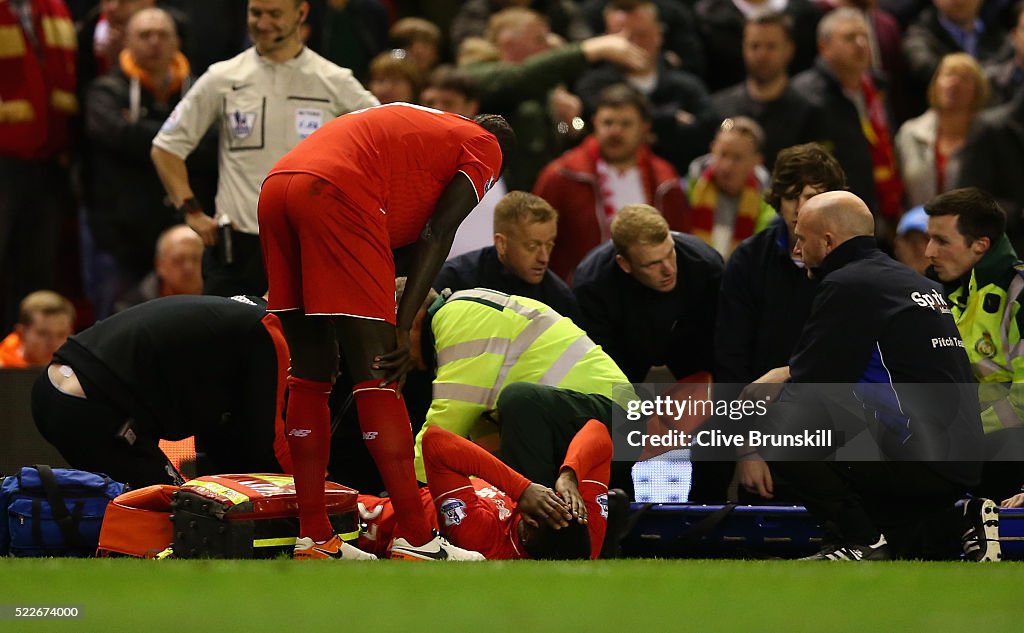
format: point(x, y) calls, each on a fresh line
point(987, 319)
point(486, 340)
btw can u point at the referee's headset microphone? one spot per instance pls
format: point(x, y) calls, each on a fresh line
point(298, 23)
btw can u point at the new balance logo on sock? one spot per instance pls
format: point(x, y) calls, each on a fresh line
point(369, 435)
point(299, 432)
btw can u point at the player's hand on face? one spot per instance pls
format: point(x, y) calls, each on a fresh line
point(540, 504)
point(397, 363)
point(567, 487)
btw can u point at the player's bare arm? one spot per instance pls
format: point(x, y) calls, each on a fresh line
point(455, 203)
point(174, 176)
point(567, 487)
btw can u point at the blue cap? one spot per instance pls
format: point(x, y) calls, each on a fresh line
point(913, 220)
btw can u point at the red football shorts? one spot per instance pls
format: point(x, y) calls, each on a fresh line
point(324, 255)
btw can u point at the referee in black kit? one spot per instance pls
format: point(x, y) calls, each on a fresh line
point(168, 369)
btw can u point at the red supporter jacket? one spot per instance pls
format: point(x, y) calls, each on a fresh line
point(37, 97)
point(569, 183)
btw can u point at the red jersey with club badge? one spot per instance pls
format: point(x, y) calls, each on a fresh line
point(396, 159)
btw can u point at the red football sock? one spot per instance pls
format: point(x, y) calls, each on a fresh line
point(308, 425)
point(388, 436)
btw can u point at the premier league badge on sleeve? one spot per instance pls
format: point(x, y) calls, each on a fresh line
point(488, 184)
point(242, 123)
point(602, 500)
point(453, 511)
point(173, 119)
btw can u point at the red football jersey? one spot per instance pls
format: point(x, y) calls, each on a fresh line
point(494, 524)
point(480, 516)
point(492, 520)
point(396, 159)
point(489, 524)
point(487, 521)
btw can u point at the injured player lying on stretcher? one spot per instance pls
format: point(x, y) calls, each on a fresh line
point(500, 513)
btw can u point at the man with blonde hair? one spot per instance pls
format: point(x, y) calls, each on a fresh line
point(45, 321)
point(525, 228)
point(649, 296)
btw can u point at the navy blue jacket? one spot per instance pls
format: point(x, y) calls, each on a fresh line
point(483, 269)
point(640, 327)
point(762, 306)
point(879, 325)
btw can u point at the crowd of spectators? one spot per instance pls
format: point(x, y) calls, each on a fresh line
point(913, 99)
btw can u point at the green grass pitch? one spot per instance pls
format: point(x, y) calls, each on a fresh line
point(628, 596)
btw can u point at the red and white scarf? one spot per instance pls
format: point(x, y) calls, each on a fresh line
point(875, 125)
